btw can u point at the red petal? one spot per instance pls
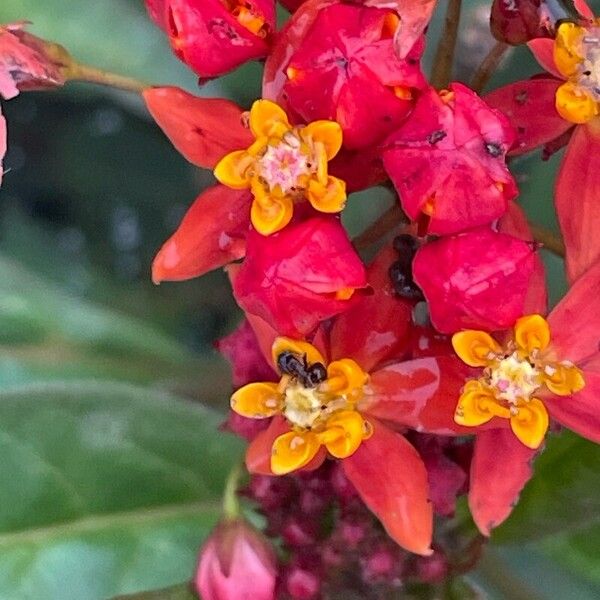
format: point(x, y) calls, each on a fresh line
point(543, 50)
point(530, 107)
point(212, 234)
point(575, 321)
point(265, 334)
point(377, 326)
point(514, 222)
point(581, 411)
point(321, 37)
point(500, 468)
point(290, 279)
point(577, 199)
point(202, 129)
point(157, 9)
point(452, 152)
point(391, 479)
point(465, 279)
point(258, 453)
point(421, 394)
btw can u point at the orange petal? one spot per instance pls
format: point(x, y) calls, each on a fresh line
point(268, 119)
point(532, 332)
point(232, 170)
point(574, 104)
point(293, 450)
point(270, 214)
point(477, 406)
point(298, 347)
point(475, 348)
point(563, 379)
point(531, 423)
point(345, 430)
point(328, 198)
point(328, 133)
point(257, 400)
point(345, 378)
point(566, 57)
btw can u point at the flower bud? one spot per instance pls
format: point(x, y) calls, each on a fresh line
point(236, 563)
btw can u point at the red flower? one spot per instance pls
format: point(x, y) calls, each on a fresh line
point(544, 369)
point(361, 389)
point(214, 36)
point(265, 179)
point(337, 61)
point(300, 276)
point(448, 161)
point(544, 109)
point(479, 278)
point(234, 559)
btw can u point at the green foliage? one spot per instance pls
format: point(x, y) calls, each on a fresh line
point(104, 489)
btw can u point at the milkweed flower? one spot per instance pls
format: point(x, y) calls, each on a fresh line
point(447, 161)
point(284, 165)
point(342, 395)
point(284, 170)
point(213, 37)
point(547, 368)
point(553, 107)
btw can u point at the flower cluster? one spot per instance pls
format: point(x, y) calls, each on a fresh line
point(345, 366)
point(373, 393)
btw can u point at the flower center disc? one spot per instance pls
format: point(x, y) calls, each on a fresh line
point(514, 379)
point(302, 406)
point(284, 164)
point(589, 69)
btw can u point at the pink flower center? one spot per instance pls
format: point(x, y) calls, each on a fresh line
point(284, 165)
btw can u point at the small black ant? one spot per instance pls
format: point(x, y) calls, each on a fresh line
point(308, 375)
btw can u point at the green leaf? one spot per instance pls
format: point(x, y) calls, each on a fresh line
point(105, 489)
point(563, 495)
point(176, 592)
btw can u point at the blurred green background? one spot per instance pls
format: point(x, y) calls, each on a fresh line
point(111, 465)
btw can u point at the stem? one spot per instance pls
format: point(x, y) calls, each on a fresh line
point(231, 504)
point(391, 218)
point(488, 65)
point(549, 240)
point(81, 72)
point(444, 55)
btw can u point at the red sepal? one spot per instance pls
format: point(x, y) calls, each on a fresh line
point(211, 234)
point(204, 130)
point(391, 479)
point(500, 468)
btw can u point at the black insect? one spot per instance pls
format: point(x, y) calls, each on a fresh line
point(400, 270)
point(308, 375)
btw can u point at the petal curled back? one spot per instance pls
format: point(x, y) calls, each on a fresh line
point(293, 450)
point(448, 161)
point(421, 394)
point(391, 479)
point(211, 234)
point(291, 279)
point(577, 199)
point(465, 277)
point(530, 107)
point(575, 321)
point(500, 469)
point(204, 130)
